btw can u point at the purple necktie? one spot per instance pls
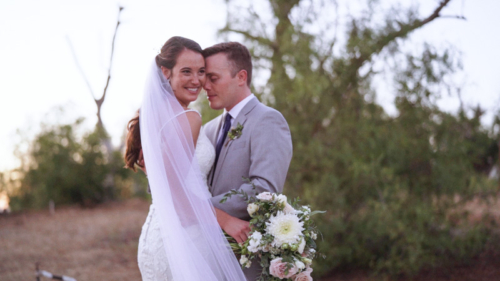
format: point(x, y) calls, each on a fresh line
point(220, 143)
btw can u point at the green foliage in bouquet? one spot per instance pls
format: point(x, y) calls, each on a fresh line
point(282, 235)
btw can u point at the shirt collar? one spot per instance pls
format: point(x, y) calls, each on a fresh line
point(238, 107)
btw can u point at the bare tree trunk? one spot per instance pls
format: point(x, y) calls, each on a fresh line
point(105, 138)
point(99, 101)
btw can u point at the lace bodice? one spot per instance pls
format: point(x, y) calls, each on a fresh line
point(204, 153)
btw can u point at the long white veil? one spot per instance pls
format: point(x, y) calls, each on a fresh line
point(195, 246)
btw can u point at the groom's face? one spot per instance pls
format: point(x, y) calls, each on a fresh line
point(221, 86)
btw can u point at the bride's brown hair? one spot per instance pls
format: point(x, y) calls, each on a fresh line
point(134, 146)
point(167, 58)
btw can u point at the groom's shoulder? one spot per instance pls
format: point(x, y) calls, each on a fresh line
point(263, 112)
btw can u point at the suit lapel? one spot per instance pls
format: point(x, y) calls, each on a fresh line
point(213, 138)
point(241, 119)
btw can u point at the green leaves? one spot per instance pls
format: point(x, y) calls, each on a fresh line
point(388, 181)
point(234, 133)
point(62, 166)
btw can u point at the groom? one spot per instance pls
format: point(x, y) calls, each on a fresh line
point(259, 145)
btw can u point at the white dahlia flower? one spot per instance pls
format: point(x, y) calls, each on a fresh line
point(286, 228)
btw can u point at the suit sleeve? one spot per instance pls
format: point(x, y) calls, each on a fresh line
point(270, 156)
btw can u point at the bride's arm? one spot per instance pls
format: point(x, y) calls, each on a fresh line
point(194, 119)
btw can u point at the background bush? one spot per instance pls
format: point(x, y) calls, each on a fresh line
point(67, 169)
point(394, 186)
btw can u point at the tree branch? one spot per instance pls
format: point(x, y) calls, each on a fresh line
point(101, 100)
point(247, 35)
point(404, 30)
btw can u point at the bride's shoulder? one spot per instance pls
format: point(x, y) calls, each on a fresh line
point(194, 118)
point(194, 111)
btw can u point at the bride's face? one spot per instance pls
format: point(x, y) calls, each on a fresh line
point(187, 77)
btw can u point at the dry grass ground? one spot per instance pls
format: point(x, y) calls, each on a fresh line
point(87, 244)
point(101, 244)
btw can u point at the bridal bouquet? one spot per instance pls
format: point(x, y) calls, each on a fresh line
point(282, 236)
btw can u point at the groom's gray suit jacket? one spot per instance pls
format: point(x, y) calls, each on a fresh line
point(262, 153)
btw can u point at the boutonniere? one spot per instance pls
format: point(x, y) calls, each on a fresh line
point(234, 133)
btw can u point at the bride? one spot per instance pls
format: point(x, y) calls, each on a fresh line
point(181, 239)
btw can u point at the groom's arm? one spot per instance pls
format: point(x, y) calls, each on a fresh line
point(271, 153)
point(236, 228)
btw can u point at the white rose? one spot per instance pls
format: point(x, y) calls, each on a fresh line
point(252, 208)
point(243, 259)
point(302, 245)
point(256, 236)
point(289, 209)
point(281, 199)
point(265, 196)
point(254, 243)
point(300, 265)
point(314, 236)
point(304, 275)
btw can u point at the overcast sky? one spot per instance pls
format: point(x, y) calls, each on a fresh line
point(38, 72)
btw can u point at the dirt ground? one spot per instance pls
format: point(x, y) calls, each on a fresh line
point(86, 244)
point(101, 244)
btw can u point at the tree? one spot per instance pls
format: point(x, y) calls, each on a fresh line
point(100, 129)
point(99, 101)
point(389, 183)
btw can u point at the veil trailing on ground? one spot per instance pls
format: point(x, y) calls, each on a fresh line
point(195, 246)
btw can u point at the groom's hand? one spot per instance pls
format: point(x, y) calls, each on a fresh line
point(236, 228)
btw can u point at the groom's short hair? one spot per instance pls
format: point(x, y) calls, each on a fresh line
point(237, 54)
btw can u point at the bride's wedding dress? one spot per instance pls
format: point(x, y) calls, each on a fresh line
point(153, 262)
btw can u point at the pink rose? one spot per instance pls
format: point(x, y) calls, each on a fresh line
point(304, 275)
point(278, 268)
